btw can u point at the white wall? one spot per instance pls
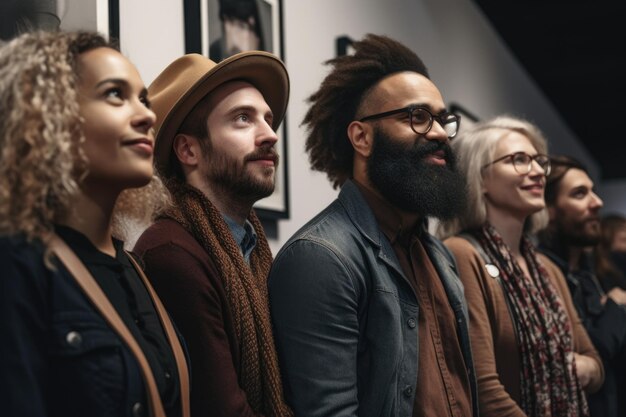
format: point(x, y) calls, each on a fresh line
point(79, 14)
point(466, 60)
point(151, 31)
point(465, 57)
point(613, 193)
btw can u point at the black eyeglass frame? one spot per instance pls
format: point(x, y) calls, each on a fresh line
point(410, 109)
point(511, 156)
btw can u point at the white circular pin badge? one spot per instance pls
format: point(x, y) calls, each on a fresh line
point(492, 270)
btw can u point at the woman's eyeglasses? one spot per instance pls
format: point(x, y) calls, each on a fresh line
point(523, 163)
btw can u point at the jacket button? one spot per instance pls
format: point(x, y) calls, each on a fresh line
point(408, 391)
point(137, 410)
point(411, 322)
point(74, 339)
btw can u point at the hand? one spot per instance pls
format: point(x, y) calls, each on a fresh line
point(587, 369)
point(618, 295)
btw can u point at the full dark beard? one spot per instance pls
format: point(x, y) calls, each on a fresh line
point(400, 174)
point(231, 177)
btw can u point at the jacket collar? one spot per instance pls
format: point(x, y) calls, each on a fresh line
point(556, 250)
point(361, 213)
point(364, 220)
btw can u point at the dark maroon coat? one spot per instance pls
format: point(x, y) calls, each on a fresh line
point(187, 281)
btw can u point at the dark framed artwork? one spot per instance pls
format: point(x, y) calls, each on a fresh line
point(220, 28)
point(114, 20)
point(343, 45)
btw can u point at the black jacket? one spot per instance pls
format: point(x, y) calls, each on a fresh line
point(58, 356)
point(606, 325)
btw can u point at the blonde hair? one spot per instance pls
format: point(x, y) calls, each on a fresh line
point(474, 149)
point(41, 137)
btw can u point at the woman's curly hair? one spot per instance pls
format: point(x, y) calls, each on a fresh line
point(41, 157)
point(335, 105)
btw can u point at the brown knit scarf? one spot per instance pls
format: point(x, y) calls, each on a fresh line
point(246, 289)
point(549, 385)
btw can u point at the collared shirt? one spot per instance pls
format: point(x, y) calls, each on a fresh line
point(245, 236)
point(120, 282)
point(443, 387)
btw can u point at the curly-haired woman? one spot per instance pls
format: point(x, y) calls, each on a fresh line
point(82, 332)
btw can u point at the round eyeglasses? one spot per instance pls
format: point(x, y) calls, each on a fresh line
point(523, 163)
point(422, 119)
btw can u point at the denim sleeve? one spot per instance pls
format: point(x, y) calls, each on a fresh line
point(314, 305)
point(23, 326)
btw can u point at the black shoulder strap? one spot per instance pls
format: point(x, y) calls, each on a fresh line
point(101, 302)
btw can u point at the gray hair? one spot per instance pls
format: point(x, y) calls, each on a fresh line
point(474, 149)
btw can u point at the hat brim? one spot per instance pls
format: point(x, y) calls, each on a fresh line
point(261, 69)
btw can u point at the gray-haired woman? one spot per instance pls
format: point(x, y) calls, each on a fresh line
point(533, 357)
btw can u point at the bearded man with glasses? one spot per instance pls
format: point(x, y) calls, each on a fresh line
point(369, 314)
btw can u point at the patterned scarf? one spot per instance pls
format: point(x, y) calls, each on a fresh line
point(246, 289)
point(549, 385)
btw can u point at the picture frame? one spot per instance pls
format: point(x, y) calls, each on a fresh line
point(257, 25)
point(114, 20)
point(343, 45)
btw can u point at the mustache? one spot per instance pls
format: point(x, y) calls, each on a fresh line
point(263, 153)
point(422, 150)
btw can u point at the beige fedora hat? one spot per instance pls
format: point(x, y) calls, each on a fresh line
point(188, 79)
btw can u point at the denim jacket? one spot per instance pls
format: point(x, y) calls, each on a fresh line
point(345, 316)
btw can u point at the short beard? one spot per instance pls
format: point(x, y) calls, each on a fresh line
point(577, 236)
point(400, 174)
point(229, 176)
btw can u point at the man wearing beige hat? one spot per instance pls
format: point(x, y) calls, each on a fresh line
point(208, 257)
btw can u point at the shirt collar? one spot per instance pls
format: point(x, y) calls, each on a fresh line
point(87, 252)
point(557, 250)
point(388, 218)
point(245, 236)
